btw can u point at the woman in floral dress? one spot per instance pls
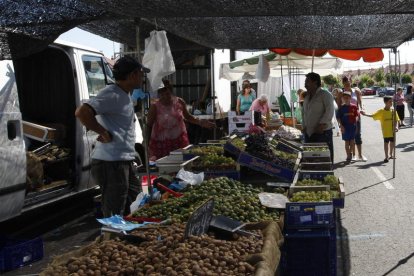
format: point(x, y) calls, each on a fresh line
point(166, 117)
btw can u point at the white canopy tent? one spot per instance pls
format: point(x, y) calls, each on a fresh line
point(302, 64)
point(292, 67)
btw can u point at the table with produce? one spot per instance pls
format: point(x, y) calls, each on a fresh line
point(253, 216)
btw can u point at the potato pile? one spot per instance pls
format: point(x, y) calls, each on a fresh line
point(165, 253)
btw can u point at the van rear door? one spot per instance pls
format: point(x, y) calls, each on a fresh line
point(12, 150)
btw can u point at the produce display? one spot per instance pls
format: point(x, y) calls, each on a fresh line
point(231, 198)
point(203, 150)
point(289, 133)
point(239, 143)
point(323, 148)
point(165, 252)
point(307, 196)
point(214, 162)
point(329, 180)
point(258, 146)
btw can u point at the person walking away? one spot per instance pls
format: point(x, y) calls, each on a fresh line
point(318, 110)
point(111, 115)
point(385, 115)
point(410, 103)
point(347, 116)
point(356, 99)
point(166, 121)
point(400, 106)
point(244, 100)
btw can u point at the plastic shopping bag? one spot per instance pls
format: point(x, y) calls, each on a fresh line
point(263, 69)
point(189, 177)
point(158, 58)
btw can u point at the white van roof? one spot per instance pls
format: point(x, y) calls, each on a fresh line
point(77, 46)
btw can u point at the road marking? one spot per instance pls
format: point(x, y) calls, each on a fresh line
point(362, 236)
point(382, 177)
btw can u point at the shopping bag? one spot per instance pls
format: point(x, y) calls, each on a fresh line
point(263, 69)
point(158, 58)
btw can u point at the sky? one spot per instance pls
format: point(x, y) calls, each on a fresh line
point(108, 47)
point(76, 35)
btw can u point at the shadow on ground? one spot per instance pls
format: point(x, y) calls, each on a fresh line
point(343, 252)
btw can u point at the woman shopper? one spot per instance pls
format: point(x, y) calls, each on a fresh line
point(400, 106)
point(244, 100)
point(166, 117)
point(409, 100)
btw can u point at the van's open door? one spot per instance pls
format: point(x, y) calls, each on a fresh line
point(12, 150)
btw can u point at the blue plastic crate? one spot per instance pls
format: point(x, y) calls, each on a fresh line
point(16, 253)
point(309, 215)
point(266, 167)
point(232, 149)
point(309, 253)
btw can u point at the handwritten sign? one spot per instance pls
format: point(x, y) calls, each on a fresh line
point(199, 220)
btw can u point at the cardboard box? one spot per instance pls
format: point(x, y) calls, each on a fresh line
point(43, 133)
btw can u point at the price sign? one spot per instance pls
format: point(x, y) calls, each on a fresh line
point(199, 220)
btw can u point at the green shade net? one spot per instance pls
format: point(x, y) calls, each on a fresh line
point(284, 106)
point(253, 60)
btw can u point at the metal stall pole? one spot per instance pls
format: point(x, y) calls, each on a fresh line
point(145, 104)
point(394, 113)
point(213, 92)
point(399, 69)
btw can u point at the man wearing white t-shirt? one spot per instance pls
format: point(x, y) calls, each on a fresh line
point(111, 115)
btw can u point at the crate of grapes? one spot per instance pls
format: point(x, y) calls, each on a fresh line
point(192, 151)
point(311, 211)
point(329, 183)
point(234, 146)
point(317, 152)
point(319, 175)
point(214, 165)
point(303, 183)
point(281, 170)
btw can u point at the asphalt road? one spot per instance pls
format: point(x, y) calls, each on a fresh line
point(377, 227)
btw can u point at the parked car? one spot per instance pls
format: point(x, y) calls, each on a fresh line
point(370, 90)
point(386, 91)
point(367, 91)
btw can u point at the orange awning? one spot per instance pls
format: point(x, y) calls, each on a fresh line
point(367, 55)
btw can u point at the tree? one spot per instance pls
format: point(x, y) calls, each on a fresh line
point(370, 82)
point(365, 80)
point(405, 78)
point(330, 80)
point(379, 75)
point(392, 78)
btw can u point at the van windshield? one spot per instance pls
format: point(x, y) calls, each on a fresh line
point(94, 73)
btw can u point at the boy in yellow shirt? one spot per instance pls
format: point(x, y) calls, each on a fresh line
point(384, 115)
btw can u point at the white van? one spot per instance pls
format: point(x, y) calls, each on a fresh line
point(38, 96)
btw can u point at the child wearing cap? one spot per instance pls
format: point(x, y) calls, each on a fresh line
point(385, 116)
point(347, 117)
